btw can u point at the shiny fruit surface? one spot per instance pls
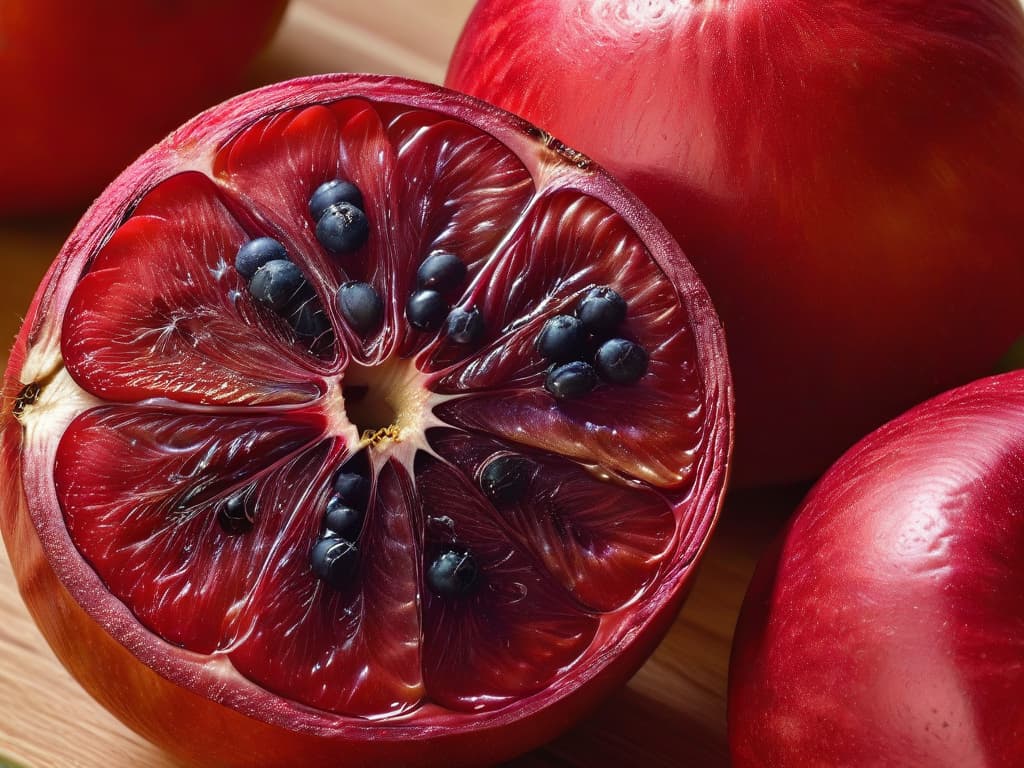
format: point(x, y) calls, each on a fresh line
point(885, 627)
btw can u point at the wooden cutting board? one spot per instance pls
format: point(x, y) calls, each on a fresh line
point(671, 714)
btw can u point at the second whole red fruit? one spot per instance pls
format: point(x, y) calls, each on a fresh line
point(885, 627)
point(845, 176)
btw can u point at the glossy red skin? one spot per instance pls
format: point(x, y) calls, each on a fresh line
point(885, 628)
point(186, 708)
point(88, 86)
point(845, 175)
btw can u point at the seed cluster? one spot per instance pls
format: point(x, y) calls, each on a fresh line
point(580, 347)
point(337, 208)
point(276, 282)
point(341, 228)
point(428, 307)
point(335, 555)
point(334, 558)
point(568, 341)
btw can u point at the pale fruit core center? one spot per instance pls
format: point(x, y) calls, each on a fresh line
point(386, 402)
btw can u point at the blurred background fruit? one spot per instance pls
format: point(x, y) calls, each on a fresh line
point(86, 87)
point(885, 627)
point(847, 178)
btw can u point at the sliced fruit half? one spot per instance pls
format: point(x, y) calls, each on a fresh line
point(289, 476)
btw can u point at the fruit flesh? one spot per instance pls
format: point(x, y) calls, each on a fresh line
point(115, 332)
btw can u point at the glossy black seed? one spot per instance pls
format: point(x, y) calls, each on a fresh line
point(233, 516)
point(602, 310)
point(562, 338)
point(352, 489)
point(621, 361)
point(361, 306)
point(426, 310)
point(506, 478)
point(342, 520)
point(453, 573)
point(334, 561)
point(342, 228)
point(307, 317)
point(570, 380)
point(255, 253)
point(465, 327)
point(331, 193)
point(441, 271)
point(309, 320)
point(277, 284)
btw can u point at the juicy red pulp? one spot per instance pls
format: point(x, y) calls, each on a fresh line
point(198, 491)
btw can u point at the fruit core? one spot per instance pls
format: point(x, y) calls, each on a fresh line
point(385, 403)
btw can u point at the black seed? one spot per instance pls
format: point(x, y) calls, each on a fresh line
point(621, 361)
point(331, 193)
point(426, 310)
point(342, 228)
point(256, 253)
point(602, 310)
point(506, 478)
point(465, 327)
point(277, 283)
point(342, 520)
point(562, 338)
point(334, 561)
point(441, 271)
point(353, 489)
point(453, 573)
point(309, 320)
point(361, 306)
point(303, 310)
point(233, 516)
point(570, 380)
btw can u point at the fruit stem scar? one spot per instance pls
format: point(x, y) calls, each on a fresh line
point(29, 394)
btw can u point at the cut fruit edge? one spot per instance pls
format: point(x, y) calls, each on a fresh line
point(37, 358)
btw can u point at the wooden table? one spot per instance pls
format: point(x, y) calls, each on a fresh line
point(673, 711)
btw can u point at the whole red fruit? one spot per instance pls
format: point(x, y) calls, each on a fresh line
point(88, 86)
point(846, 176)
point(271, 512)
point(885, 628)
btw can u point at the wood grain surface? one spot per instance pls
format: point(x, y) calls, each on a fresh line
point(671, 714)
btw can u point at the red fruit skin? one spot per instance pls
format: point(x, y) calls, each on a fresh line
point(885, 627)
point(88, 86)
point(845, 175)
point(157, 695)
